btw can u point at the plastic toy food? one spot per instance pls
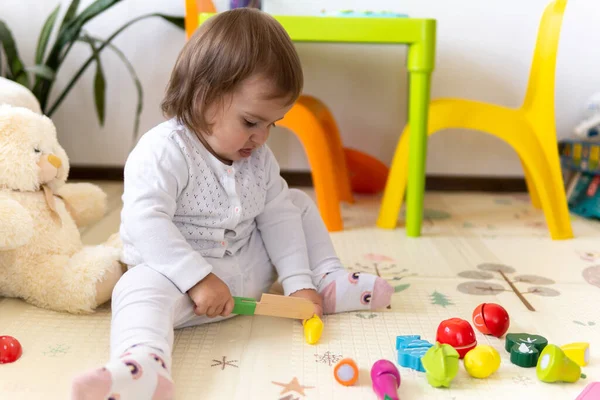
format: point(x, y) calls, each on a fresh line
point(410, 351)
point(591, 392)
point(346, 372)
point(554, 366)
point(491, 319)
point(524, 355)
point(482, 361)
point(536, 340)
point(441, 365)
point(578, 352)
point(10, 349)
point(313, 328)
point(524, 348)
point(458, 333)
point(386, 380)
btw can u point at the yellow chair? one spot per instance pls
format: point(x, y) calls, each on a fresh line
point(530, 130)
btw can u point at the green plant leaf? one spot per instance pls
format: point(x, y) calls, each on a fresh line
point(69, 34)
point(69, 14)
point(136, 81)
point(14, 63)
point(86, 64)
point(45, 35)
point(100, 93)
point(72, 30)
point(42, 70)
point(99, 81)
point(177, 21)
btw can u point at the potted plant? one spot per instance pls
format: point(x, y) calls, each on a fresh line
point(41, 76)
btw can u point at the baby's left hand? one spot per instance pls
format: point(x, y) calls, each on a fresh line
point(313, 296)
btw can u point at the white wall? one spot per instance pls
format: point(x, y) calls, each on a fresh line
point(484, 53)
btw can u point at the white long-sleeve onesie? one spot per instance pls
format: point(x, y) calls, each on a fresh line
point(182, 207)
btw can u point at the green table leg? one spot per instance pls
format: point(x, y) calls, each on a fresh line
point(420, 82)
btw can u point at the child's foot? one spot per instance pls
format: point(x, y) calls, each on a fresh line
point(350, 291)
point(139, 374)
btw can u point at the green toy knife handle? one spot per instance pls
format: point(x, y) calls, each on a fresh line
point(244, 305)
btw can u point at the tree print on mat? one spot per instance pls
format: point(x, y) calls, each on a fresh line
point(592, 275)
point(440, 299)
point(482, 285)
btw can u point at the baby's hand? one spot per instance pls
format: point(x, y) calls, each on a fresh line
point(212, 297)
point(313, 296)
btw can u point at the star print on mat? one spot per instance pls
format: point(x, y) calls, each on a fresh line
point(223, 363)
point(293, 386)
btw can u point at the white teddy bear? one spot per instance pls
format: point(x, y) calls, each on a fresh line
point(42, 258)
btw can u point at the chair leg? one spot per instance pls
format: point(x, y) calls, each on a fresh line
point(309, 130)
point(334, 143)
point(551, 194)
point(535, 197)
point(395, 187)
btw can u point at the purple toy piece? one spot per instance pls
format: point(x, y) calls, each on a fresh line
point(386, 380)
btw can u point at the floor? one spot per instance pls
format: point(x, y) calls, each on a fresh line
point(476, 248)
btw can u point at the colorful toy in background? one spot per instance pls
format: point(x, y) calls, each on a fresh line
point(578, 352)
point(458, 333)
point(363, 14)
point(313, 328)
point(245, 3)
point(555, 366)
point(441, 365)
point(491, 319)
point(590, 126)
point(524, 348)
point(482, 361)
point(411, 349)
point(591, 392)
point(346, 372)
point(10, 349)
point(385, 379)
point(455, 339)
point(367, 174)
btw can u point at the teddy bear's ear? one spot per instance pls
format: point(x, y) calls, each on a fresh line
point(27, 139)
point(18, 95)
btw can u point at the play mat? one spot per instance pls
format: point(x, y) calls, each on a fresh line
point(475, 249)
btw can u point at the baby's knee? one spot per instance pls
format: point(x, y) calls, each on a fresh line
point(139, 279)
point(301, 200)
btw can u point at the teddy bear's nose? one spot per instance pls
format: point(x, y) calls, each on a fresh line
point(55, 161)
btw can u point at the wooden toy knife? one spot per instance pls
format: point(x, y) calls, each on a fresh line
point(275, 306)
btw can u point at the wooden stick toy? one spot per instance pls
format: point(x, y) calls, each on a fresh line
point(275, 306)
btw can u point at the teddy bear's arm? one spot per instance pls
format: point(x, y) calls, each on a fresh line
point(86, 202)
point(16, 224)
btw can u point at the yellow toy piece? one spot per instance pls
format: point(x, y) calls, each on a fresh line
point(530, 130)
point(482, 361)
point(578, 352)
point(313, 328)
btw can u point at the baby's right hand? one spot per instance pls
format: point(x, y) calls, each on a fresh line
point(211, 297)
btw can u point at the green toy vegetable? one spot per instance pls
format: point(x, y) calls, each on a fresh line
point(441, 364)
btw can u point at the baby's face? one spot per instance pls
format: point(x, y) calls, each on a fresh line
point(242, 121)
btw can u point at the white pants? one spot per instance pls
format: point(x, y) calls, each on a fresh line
point(146, 306)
